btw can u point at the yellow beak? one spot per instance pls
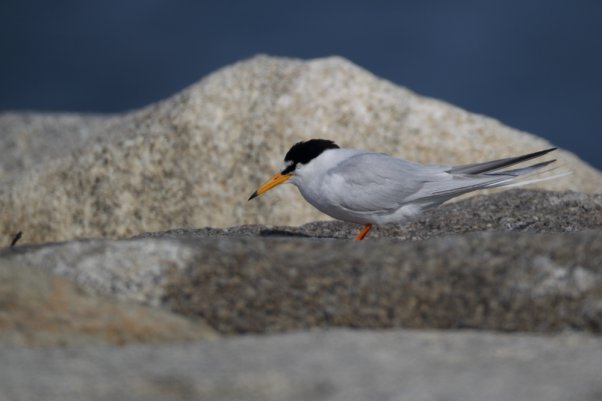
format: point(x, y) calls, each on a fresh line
point(276, 180)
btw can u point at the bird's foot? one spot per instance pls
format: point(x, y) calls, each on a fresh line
point(363, 233)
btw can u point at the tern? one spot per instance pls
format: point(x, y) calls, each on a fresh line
point(371, 188)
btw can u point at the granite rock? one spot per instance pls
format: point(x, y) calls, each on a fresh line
point(518, 261)
point(193, 159)
point(329, 365)
point(508, 211)
point(30, 140)
point(507, 282)
point(514, 281)
point(41, 310)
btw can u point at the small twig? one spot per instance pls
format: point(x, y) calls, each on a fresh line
point(16, 239)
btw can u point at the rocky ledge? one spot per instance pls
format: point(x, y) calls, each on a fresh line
point(525, 261)
point(116, 291)
point(522, 262)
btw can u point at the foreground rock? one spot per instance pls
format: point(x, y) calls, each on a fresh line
point(39, 310)
point(332, 365)
point(486, 281)
point(518, 261)
point(192, 160)
point(281, 280)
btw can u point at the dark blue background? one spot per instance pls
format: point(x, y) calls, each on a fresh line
point(535, 65)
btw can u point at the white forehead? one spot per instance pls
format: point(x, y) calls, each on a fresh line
point(286, 164)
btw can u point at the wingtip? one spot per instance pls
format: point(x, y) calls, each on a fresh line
point(540, 153)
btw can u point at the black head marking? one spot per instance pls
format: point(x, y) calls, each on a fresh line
point(305, 151)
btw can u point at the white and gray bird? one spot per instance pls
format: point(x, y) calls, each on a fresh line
point(374, 188)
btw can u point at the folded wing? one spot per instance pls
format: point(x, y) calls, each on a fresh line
point(378, 183)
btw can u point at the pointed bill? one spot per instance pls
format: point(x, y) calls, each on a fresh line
point(276, 180)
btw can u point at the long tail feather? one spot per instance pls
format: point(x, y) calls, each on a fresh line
point(524, 170)
point(472, 182)
point(485, 167)
point(507, 184)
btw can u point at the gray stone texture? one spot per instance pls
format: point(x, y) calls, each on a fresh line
point(543, 274)
point(205, 301)
point(42, 310)
point(333, 365)
point(193, 159)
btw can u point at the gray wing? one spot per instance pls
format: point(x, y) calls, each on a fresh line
point(379, 183)
point(376, 182)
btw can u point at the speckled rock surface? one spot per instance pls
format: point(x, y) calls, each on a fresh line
point(128, 270)
point(40, 310)
point(521, 261)
point(516, 281)
point(29, 140)
point(508, 211)
point(335, 365)
point(487, 281)
point(192, 160)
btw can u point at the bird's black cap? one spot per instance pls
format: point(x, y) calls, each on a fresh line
point(305, 151)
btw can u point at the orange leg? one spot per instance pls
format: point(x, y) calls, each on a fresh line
point(362, 234)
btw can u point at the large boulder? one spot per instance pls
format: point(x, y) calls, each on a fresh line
point(528, 263)
point(42, 310)
point(544, 273)
point(193, 159)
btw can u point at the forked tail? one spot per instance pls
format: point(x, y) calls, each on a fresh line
point(486, 175)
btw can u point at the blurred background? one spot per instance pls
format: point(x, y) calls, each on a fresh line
point(536, 65)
